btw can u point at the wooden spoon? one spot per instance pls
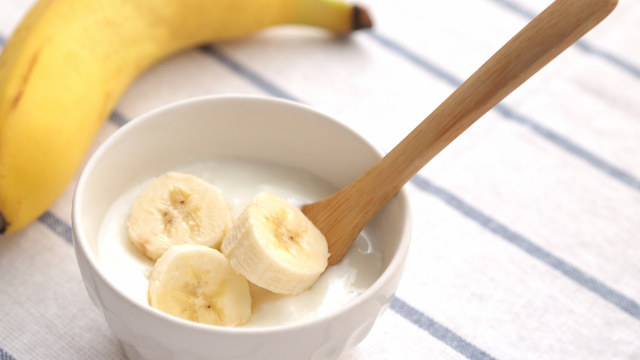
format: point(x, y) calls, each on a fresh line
point(343, 215)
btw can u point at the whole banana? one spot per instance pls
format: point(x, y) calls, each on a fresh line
point(69, 61)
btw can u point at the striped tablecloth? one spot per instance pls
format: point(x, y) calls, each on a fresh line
point(526, 239)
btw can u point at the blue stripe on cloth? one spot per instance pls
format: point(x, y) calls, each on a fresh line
point(414, 58)
point(613, 59)
point(581, 44)
point(57, 225)
point(570, 147)
point(5, 355)
point(118, 119)
point(453, 340)
point(510, 114)
point(614, 297)
point(248, 74)
point(517, 8)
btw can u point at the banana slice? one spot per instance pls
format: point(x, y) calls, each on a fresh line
point(197, 283)
point(177, 209)
point(275, 246)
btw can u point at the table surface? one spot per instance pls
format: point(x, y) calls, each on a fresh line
point(526, 235)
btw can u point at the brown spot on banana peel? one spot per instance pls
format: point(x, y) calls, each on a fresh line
point(3, 224)
point(361, 18)
point(25, 80)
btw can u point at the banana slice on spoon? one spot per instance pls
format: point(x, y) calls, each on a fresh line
point(275, 246)
point(197, 283)
point(177, 209)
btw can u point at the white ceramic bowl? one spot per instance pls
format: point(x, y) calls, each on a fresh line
point(244, 127)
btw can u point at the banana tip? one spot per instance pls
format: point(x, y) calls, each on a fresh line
point(361, 18)
point(3, 224)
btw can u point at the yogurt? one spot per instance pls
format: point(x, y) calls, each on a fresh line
point(239, 181)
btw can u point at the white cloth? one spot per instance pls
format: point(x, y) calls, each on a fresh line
point(526, 231)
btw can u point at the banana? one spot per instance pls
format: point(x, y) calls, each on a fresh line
point(177, 209)
point(275, 246)
point(69, 61)
point(197, 283)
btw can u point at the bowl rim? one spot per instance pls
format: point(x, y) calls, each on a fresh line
point(81, 244)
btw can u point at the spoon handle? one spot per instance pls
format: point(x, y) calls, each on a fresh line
point(546, 36)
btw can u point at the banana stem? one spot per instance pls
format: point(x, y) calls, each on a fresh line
point(361, 18)
point(334, 15)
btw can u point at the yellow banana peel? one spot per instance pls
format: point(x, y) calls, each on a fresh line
point(69, 61)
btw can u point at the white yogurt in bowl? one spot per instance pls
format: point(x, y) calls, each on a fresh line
point(239, 181)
